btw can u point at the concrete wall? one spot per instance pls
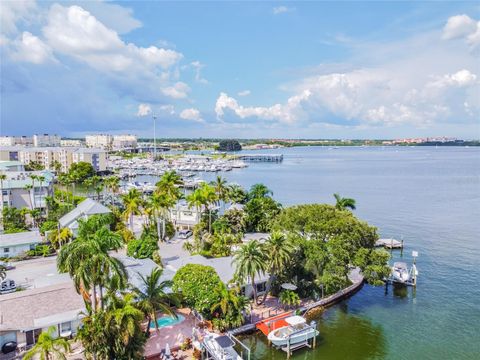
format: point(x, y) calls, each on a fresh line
point(14, 250)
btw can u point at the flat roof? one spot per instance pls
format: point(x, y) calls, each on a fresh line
point(21, 238)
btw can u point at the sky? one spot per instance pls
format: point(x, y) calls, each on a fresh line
point(243, 69)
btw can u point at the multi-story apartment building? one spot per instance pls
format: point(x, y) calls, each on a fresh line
point(102, 141)
point(14, 191)
point(71, 143)
point(124, 141)
point(16, 140)
point(48, 157)
point(46, 140)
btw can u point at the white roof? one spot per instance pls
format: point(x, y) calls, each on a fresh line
point(86, 208)
point(223, 266)
point(21, 238)
point(295, 320)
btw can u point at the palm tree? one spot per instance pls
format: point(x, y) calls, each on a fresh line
point(278, 250)
point(152, 297)
point(230, 304)
point(132, 202)
point(35, 214)
point(344, 203)
point(259, 191)
point(289, 298)
point(29, 188)
point(61, 237)
point(2, 178)
point(236, 194)
point(160, 203)
point(169, 184)
point(87, 261)
point(196, 199)
point(221, 188)
point(49, 347)
point(210, 197)
point(33, 177)
point(249, 261)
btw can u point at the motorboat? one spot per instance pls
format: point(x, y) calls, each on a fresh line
point(296, 331)
point(220, 347)
point(400, 273)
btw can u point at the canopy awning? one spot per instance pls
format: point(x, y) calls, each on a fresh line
point(224, 341)
point(295, 320)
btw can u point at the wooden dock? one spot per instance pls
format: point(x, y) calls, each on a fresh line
point(260, 157)
point(389, 243)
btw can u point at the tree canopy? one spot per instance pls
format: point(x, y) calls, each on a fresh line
point(229, 145)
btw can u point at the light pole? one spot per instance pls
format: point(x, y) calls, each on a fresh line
point(154, 137)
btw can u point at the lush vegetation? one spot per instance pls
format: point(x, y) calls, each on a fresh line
point(229, 145)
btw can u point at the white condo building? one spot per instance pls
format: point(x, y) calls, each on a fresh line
point(46, 140)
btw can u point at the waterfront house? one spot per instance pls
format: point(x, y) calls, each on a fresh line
point(85, 209)
point(18, 243)
point(225, 270)
point(184, 217)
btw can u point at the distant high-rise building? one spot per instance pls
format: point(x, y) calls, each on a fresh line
point(46, 140)
point(124, 141)
point(71, 143)
point(103, 141)
point(16, 140)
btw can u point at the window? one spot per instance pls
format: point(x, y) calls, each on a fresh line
point(6, 250)
point(65, 327)
point(187, 213)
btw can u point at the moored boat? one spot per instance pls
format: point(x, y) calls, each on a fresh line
point(296, 331)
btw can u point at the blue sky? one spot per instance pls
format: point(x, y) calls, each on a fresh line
point(241, 69)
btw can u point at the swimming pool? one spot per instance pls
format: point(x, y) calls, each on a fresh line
point(167, 321)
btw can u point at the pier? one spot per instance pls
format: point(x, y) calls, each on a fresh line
point(260, 157)
point(389, 244)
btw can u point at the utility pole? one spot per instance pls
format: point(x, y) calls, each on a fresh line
point(154, 137)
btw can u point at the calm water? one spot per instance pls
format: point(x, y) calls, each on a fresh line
point(430, 197)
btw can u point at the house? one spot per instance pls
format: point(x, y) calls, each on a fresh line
point(18, 243)
point(25, 314)
point(225, 270)
point(86, 208)
point(184, 217)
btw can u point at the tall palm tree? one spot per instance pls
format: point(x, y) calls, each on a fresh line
point(210, 197)
point(152, 297)
point(132, 202)
point(221, 188)
point(344, 203)
point(279, 251)
point(249, 261)
point(87, 261)
point(161, 204)
point(196, 199)
point(259, 191)
point(169, 184)
point(236, 194)
point(49, 347)
point(2, 178)
point(29, 188)
point(33, 177)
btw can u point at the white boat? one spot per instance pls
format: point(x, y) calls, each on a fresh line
point(400, 273)
point(297, 331)
point(220, 347)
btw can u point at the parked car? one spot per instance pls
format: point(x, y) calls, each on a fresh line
point(185, 234)
point(8, 347)
point(7, 265)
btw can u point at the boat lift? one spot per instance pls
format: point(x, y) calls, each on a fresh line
point(412, 275)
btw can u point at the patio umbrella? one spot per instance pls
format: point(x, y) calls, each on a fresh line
point(288, 286)
point(167, 351)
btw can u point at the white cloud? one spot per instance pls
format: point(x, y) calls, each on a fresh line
point(12, 12)
point(144, 110)
point(281, 9)
point(191, 114)
point(75, 32)
point(463, 27)
point(169, 109)
point(244, 93)
point(116, 17)
point(31, 49)
point(179, 90)
point(198, 66)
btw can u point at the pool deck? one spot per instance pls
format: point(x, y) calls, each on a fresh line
point(173, 335)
